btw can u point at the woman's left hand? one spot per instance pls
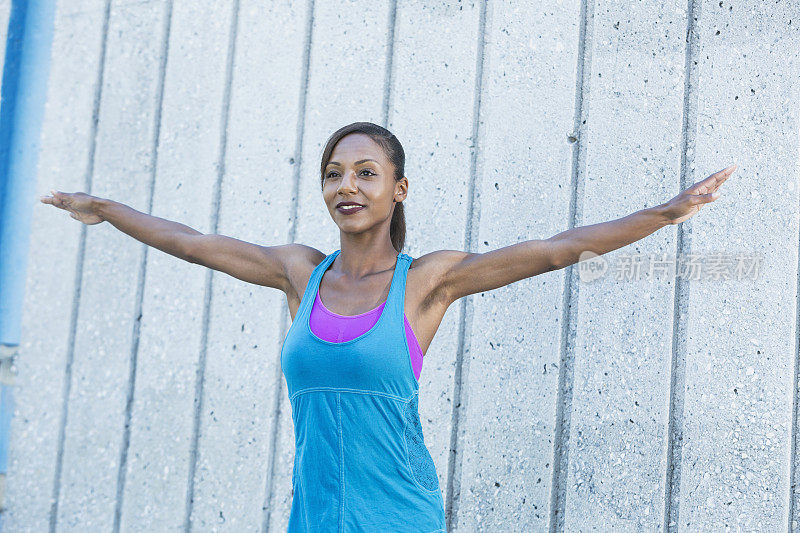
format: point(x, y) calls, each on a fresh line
point(688, 203)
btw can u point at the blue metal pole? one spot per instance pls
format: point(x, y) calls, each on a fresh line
point(22, 97)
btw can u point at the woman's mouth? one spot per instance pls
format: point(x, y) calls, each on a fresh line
point(349, 209)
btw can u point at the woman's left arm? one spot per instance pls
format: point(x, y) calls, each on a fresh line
point(463, 273)
point(605, 237)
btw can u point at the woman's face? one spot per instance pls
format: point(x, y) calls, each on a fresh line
point(359, 172)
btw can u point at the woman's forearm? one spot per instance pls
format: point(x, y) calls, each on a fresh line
point(166, 235)
point(606, 236)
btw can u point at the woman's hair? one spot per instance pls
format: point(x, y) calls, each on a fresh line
point(394, 153)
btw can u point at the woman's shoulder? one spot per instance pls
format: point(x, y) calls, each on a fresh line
point(429, 272)
point(299, 261)
point(438, 260)
point(307, 254)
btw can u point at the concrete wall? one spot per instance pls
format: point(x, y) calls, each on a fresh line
point(149, 390)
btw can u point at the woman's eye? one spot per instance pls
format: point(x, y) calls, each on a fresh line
point(333, 173)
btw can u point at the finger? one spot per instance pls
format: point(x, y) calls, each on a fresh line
point(58, 198)
point(701, 186)
point(725, 172)
point(713, 181)
point(723, 175)
point(706, 198)
point(718, 183)
point(49, 200)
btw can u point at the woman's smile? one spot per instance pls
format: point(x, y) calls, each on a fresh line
point(350, 209)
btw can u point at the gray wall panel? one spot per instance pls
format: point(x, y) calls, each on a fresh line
point(111, 272)
point(242, 370)
point(51, 293)
point(741, 334)
point(345, 84)
point(512, 363)
point(623, 343)
point(173, 307)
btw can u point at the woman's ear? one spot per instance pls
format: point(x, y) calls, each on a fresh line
point(401, 191)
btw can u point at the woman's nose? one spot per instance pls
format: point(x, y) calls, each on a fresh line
point(349, 180)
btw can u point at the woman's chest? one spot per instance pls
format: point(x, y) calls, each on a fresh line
point(423, 308)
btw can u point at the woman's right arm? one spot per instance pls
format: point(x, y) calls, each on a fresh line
point(168, 236)
point(262, 265)
point(253, 263)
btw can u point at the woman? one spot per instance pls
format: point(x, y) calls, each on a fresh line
point(352, 363)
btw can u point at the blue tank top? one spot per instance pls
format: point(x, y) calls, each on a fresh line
point(360, 459)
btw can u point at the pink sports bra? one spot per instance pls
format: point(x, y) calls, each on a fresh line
point(332, 327)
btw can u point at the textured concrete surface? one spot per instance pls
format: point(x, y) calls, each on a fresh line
point(173, 337)
point(150, 395)
point(36, 448)
point(621, 356)
point(104, 333)
point(741, 339)
point(234, 486)
point(510, 382)
point(343, 82)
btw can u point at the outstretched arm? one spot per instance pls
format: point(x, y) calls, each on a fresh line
point(168, 236)
point(464, 273)
point(608, 236)
point(262, 265)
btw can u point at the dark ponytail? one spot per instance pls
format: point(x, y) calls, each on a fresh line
point(394, 153)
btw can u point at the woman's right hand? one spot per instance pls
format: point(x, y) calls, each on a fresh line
point(81, 206)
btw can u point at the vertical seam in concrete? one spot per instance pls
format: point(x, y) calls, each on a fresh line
point(284, 318)
point(453, 488)
point(387, 87)
point(209, 284)
point(793, 440)
point(793, 435)
point(790, 508)
point(569, 299)
point(73, 324)
point(672, 474)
